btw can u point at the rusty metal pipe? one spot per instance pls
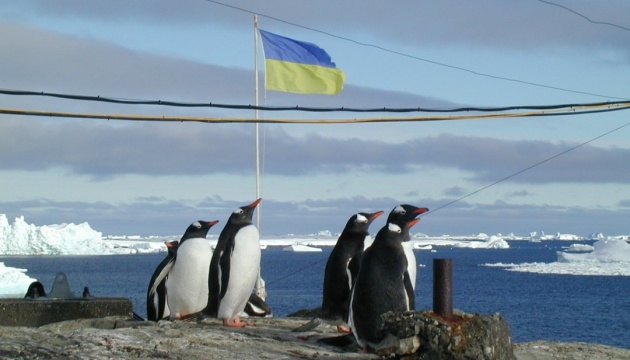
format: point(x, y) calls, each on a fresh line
point(443, 287)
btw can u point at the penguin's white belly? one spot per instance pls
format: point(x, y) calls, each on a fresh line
point(351, 320)
point(244, 266)
point(411, 262)
point(187, 283)
point(367, 242)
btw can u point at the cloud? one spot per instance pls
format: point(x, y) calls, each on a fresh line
point(493, 24)
point(62, 63)
point(100, 150)
point(521, 193)
point(490, 159)
point(455, 191)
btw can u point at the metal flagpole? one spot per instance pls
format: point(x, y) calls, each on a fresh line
point(260, 283)
point(257, 125)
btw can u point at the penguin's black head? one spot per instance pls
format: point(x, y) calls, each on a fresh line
point(244, 214)
point(405, 212)
point(171, 246)
point(198, 229)
point(359, 223)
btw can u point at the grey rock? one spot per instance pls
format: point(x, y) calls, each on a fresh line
point(271, 338)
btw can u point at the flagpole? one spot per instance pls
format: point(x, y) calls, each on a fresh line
point(260, 283)
point(257, 125)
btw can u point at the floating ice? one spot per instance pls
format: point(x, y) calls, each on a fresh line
point(13, 282)
point(609, 257)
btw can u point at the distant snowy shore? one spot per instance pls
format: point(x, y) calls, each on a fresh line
point(21, 238)
point(608, 256)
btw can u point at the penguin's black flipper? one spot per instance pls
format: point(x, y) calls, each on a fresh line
point(256, 306)
point(341, 341)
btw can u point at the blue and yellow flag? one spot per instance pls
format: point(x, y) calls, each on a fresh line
point(299, 67)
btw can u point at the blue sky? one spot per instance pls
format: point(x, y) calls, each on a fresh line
point(156, 178)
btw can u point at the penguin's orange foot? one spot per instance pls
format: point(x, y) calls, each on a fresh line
point(344, 329)
point(236, 322)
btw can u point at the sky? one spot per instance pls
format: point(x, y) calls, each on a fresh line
point(568, 174)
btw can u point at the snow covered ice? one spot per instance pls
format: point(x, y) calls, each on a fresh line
point(609, 257)
point(21, 238)
point(13, 282)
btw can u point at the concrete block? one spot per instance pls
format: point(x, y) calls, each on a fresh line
point(42, 311)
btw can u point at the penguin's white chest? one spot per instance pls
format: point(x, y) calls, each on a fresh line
point(244, 265)
point(187, 283)
point(411, 262)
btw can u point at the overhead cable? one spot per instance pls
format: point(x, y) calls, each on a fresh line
point(571, 110)
point(584, 16)
point(305, 108)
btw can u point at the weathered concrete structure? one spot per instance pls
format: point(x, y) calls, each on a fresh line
point(425, 335)
point(42, 311)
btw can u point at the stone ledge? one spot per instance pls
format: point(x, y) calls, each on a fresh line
point(38, 312)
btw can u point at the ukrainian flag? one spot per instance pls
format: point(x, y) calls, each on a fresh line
point(299, 67)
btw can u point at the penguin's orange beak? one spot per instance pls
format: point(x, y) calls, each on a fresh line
point(412, 223)
point(255, 203)
point(419, 211)
point(376, 214)
point(213, 222)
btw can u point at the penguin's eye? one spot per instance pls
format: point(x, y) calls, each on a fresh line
point(361, 219)
point(400, 210)
point(197, 224)
point(239, 211)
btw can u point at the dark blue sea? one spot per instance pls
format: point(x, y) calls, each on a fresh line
point(537, 306)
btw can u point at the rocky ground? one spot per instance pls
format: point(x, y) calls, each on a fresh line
point(271, 338)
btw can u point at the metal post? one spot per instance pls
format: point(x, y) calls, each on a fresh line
point(443, 287)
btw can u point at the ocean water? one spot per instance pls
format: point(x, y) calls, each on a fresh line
point(537, 306)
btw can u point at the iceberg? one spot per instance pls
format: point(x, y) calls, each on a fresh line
point(580, 248)
point(604, 251)
point(21, 238)
point(301, 248)
point(608, 258)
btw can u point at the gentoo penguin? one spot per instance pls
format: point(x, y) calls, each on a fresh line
point(234, 267)
point(35, 290)
point(382, 284)
point(343, 265)
point(187, 282)
point(157, 307)
point(408, 212)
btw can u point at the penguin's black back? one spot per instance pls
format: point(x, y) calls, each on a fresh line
point(336, 282)
point(380, 285)
point(155, 314)
point(345, 257)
